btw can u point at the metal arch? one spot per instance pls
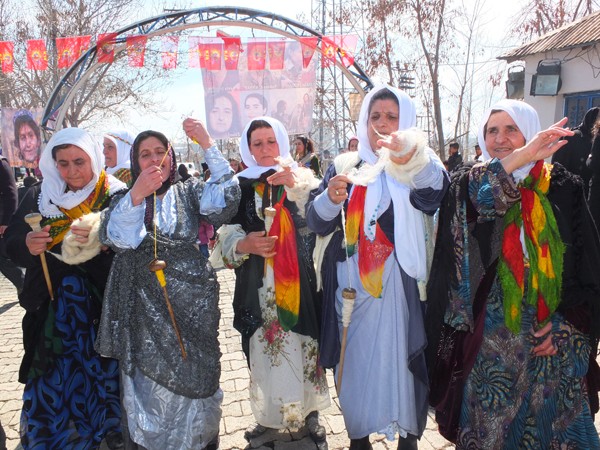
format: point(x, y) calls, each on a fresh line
point(86, 65)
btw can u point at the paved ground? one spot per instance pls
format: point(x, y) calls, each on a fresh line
point(237, 415)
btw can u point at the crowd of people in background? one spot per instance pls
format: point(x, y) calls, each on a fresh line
point(467, 285)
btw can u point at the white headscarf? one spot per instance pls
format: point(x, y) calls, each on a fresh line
point(123, 140)
point(54, 188)
point(525, 117)
point(409, 235)
point(253, 170)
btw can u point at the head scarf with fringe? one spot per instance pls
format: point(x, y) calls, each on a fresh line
point(123, 140)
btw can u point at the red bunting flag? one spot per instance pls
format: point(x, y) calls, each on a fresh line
point(37, 56)
point(195, 52)
point(7, 56)
point(232, 47)
point(106, 47)
point(309, 44)
point(69, 49)
point(136, 48)
point(212, 55)
point(169, 51)
point(276, 54)
point(328, 51)
point(347, 45)
point(257, 54)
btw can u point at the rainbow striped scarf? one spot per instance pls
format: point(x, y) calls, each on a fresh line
point(544, 247)
point(285, 263)
point(95, 202)
point(372, 255)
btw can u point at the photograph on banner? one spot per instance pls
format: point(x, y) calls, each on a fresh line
point(272, 77)
point(21, 136)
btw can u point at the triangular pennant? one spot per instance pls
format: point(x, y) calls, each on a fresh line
point(309, 44)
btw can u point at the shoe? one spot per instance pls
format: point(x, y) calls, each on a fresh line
point(361, 444)
point(213, 445)
point(254, 431)
point(410, 442)
point(114, 440)
point(315, 430)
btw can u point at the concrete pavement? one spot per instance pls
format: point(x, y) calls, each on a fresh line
point(237, 415)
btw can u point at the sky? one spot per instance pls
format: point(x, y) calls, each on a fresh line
point(184, 95)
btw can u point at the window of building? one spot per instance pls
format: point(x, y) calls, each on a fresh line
point(577, 105)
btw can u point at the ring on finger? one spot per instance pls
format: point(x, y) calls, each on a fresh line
point(337, 192)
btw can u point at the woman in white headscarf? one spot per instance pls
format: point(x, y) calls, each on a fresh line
point(117, 149)
point(276, 305)
point(385, 194)
point(71, 395)
point(514, 313)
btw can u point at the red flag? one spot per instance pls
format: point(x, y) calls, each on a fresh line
point(83, 44)
point(106, 47)
point(328, 51)
point(136, 48)
point(276, 54)
point(232, 46)
point(257, 54)
point(66, 49)
point(347, 46)
point(212, 55)
point(195, 52)
point(37, 56)
point(169, 51)
point(7, 56)
point(309, 44)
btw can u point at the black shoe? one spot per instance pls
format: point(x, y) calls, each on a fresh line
point(315, 430)
point(213, 445)
point(410, 442)
point(114, 440)
point(361, 444)
point(254, 431)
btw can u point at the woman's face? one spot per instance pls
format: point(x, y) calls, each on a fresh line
point(253, 108)
point(29, 144)
point(299, 147)
point(221, 116)
point(151, 153)
point(264, 147)
point(502, 136)
point(110, 153)
point(383, 119)
point(74, 166)
point(353, 145)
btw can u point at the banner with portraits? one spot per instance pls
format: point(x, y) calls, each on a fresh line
point(269, 77)
point(21, 136)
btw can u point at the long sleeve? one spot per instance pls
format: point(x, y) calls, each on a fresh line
point(8, 192)
point(125, 228)
point(322, 215)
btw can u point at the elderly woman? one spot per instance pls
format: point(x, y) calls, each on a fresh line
point(275, 301)
point(384, 207)
point(160, 315)
point(514, 283)
point(71, 396)
point(117, 148)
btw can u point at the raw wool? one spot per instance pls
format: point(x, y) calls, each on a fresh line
point(75, 252)
point(224, 253)
point(404, 173)
point(299, 194)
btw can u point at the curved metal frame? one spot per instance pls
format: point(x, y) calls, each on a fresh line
point(87, 63)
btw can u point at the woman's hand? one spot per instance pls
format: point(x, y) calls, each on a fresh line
point(257, 243)
point(283, 177)
point(543, 145)
point(149, 181)
point(196, 131)
point(81, 233)
point(546, 348)
point(397, 144)
point(337, 189)
point(37, 241)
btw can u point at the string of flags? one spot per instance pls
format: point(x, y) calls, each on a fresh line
point(203, 52)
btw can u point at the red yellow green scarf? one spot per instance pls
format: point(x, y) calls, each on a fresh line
point(372, 255)
point(95, 202)
point(284, 264)
point(544, 247)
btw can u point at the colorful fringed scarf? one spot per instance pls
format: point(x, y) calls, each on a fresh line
point(284, 264)
point(95, 202)
point(372, 255)
point(544, 247)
